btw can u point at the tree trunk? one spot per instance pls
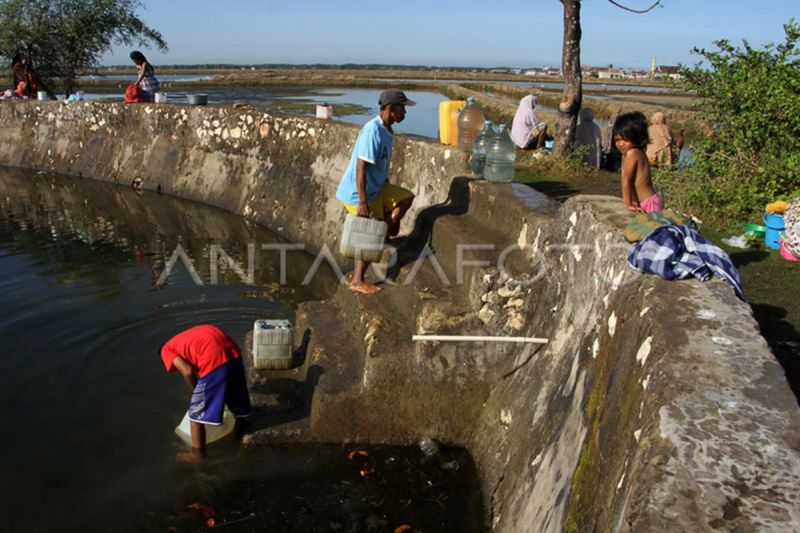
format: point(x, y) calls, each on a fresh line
point(572, 96)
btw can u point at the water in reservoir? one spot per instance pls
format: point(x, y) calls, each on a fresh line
point(88, 411)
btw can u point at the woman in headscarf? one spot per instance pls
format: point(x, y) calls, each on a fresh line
point(659, 151)
point(588, 134)
point(526, 130)
point(613, 157)
point(146, 77)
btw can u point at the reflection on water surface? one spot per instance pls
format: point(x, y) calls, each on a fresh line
point(88, 412)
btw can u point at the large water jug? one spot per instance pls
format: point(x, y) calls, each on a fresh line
point(479, 148)
point(500, 156)
point(470, 123)
point(272, 344)
point(362, 238)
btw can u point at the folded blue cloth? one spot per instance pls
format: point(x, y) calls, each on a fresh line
point(678, 252)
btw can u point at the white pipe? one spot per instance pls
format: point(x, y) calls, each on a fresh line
point(476, 338)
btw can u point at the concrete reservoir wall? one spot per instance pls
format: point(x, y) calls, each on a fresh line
point(654, 405)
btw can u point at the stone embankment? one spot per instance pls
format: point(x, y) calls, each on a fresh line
point(654, 405)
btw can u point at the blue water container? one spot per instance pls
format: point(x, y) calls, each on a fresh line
point(775, 226)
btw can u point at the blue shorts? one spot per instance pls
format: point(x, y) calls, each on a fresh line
point(224, 385)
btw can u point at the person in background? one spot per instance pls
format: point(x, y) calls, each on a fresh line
point(24, 84)
point(660, 149)
point(630, 136)
point(588, 134)
point(364, 189)
point(613, 159)
point(146, 77)
point(211, 364)
point(528, 133)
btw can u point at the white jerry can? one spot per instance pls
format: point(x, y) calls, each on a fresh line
point(363, 238)
point(213, 433)
point(272, 344)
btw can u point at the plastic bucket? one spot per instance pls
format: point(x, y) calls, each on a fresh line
point(324, 111)
point(786, 253)
point(775, 226)
point(41, 96)
point(161, 98)
point(197, 99)
point(757, 230)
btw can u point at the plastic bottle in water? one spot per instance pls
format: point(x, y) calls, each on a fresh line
point(500, 156)
point(470, 122)
point(433, 454)
point(479, 148)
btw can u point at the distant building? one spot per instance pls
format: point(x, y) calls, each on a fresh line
point(668, 71)
point(611, 74)
point(553, 72)
point(664, 71)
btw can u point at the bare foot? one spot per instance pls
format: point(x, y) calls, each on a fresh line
point(189, 457)
point(364, 288)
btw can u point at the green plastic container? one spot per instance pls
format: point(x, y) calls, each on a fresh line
point(756, 229)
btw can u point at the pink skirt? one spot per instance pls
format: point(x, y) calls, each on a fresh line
point(652, 204)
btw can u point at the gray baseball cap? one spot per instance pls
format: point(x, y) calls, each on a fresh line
point(394, 96)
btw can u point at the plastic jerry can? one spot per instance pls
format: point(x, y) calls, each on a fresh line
point(272, 344)
point(447, 134)
point(325, 111)
point(363, 238)
point(184, 429)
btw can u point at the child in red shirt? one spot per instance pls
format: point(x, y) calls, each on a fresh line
point(211, 364)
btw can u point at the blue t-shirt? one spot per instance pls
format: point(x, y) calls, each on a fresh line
point(373, 145)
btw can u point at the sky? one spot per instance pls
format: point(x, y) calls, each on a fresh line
point(483, 33)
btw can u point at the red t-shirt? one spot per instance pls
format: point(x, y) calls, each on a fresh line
point(204, 347)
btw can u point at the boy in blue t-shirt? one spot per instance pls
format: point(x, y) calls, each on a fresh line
point(364, 189)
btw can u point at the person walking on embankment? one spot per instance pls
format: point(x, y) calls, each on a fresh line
point(364, 189)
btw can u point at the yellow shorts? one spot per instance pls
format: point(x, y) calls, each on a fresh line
point(387, 199)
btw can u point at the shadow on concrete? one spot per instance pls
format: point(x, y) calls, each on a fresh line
point(292, 400)
point(783, 340)
point(289, 399)
point(558, 190)
point(299, 355)
point(457, 203)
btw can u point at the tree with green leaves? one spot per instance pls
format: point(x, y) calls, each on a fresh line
point(749, 102)
point(62, 38)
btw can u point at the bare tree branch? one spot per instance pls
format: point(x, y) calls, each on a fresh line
point(657, 3)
